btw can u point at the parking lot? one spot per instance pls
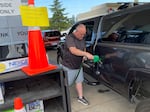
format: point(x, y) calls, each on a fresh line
point(99, 102)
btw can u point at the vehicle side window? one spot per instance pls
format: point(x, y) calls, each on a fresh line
point(89, 31)
point(4, 52)
point(140, 38)
point(12, 51)
point(112, 37)
point(128, 28)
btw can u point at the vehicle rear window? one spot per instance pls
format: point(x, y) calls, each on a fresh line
point(52, 34)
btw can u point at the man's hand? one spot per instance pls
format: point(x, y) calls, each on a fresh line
point(88, 55)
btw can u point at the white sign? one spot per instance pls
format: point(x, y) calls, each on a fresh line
point(36, 106)
point(9, 7)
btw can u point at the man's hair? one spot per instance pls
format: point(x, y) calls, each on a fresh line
point(80, 26)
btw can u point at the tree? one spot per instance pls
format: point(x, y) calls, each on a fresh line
point(59, 19)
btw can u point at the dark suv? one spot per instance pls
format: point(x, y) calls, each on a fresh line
point(122, 40)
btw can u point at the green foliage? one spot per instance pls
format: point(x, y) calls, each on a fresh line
point(59, 19)
point(44, 28)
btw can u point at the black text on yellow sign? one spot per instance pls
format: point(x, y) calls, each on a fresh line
point(34, 16)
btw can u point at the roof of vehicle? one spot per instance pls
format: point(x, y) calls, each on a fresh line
point(134, 9)
point(98, 10)
point(106, 8)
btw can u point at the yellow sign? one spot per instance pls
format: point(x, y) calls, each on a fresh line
point(34, 16)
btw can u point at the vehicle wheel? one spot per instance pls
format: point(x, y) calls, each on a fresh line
point(143, 106)
point(59, 59)
point(133, 90)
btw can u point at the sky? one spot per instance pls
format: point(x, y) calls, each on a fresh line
point(75, 7)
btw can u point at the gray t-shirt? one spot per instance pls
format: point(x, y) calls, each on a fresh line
point(70, 60)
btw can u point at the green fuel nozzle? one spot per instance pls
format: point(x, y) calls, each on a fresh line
point(96, 59)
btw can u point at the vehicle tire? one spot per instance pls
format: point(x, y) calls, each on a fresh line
point(133, 89)
point(60, 49)
point(143, 106)
point(59, 59)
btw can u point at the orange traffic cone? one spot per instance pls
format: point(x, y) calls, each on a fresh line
point(37, 55)
point(31, 2)
point(18, 105)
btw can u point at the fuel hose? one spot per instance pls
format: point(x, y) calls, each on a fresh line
point(96, 59)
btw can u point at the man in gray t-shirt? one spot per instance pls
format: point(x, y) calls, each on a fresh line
point(74, 51)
